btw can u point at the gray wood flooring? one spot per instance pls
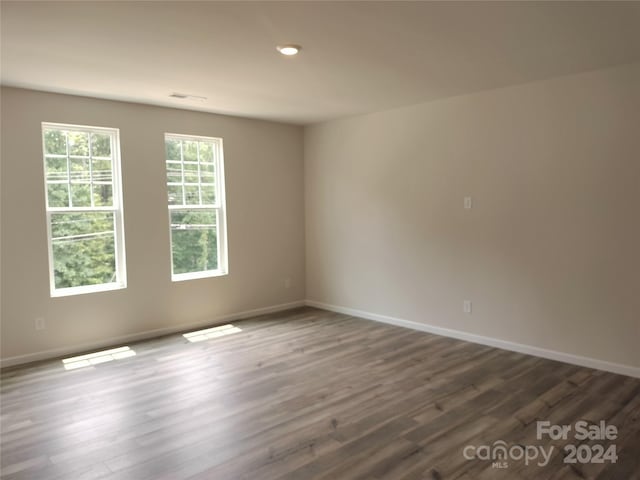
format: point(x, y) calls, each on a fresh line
point(307, 394)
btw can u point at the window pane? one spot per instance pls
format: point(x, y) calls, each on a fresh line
point(208, 195)
point(78, 143)
point(79, 169)
point(207, 177)
point(192, 195)
point(174, 177)
point(56, 168)
point(174, 172)
point(191, 172)
point(83, 248)
point(172, 148)
point(190, 151)
point(80, 195)
point(102, 171)
point(191, 176)
point(194, 240)
point(58, 195)
point(206, 152)
point(103, 194)
point(55, 142)
point(100, 145)
point(175, 194)
point(196, 172)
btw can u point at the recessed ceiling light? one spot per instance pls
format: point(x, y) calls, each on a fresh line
point(289, 49)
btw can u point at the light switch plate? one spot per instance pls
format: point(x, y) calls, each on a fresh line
point(466, 306)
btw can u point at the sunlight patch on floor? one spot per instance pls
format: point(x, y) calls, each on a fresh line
point(200, 335)
point(95, 358)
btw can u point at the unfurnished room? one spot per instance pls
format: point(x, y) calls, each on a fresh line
point(320, 240)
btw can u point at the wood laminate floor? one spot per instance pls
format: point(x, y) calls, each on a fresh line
point(306, 394)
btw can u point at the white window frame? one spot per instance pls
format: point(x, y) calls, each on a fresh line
point(219, 207)
point(117, 210)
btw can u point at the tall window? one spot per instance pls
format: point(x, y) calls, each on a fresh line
point(195, 186)
point(84, 209)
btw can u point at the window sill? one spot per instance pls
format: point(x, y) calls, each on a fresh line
point(105, 287)
point(180, 277)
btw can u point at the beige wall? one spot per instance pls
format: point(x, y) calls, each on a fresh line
point(549, 254)
point(264, 180)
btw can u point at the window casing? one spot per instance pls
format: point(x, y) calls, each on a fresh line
point(83, 209)
point(196, 201)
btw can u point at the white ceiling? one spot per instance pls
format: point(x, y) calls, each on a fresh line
point(357, 57)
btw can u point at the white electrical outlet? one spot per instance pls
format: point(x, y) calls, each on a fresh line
point(468, 203)
point(40, 324)
point(466, 306)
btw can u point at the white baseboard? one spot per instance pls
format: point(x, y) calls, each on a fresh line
point(64, 351)
point(621, 369)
